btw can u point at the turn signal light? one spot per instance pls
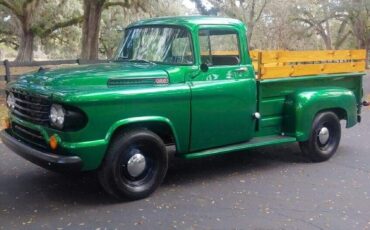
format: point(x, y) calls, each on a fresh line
point(53, 142)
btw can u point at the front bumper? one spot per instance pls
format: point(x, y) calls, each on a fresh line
point(46, 160)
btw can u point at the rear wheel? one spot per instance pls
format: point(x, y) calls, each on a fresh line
point(324, 138)
point(135, 165)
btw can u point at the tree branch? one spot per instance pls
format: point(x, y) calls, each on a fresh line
point(10, 41)
point(312, 24)
point(11, 7)
point(124, 4)
point(45, 32)
point(261, 11)
point(341, 40)
point(203, 10)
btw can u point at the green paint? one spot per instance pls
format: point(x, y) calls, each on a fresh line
point(254, 143)
point(207, 113)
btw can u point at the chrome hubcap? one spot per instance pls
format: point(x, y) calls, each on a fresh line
point(136, 165)
point(324, 135)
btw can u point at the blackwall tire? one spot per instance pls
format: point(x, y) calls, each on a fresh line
point(135, 165)
point(324, 138)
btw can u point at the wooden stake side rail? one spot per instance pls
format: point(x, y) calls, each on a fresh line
point(272, 72)
point(280, 64)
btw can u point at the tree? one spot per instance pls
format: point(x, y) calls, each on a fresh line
point(203, 10)
point(26, 15)
point(322, 16)
point(359, 17)
point(91, 23)
point(248, 11)
point(7, 30)
point(115, 19)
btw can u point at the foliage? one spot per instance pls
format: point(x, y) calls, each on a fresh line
point(116, 19)
point(55, 28)
point(34, 18)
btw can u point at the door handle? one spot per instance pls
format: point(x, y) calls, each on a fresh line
point(241, 70)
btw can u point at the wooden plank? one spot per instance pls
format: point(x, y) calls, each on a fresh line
point(42, 63)
point(221, 53)
point(255, 65)
point(311, 56)
point(225, 52)
point(311, 69)
point(254, 54)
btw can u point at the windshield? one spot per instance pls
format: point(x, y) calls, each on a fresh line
point(168, 45)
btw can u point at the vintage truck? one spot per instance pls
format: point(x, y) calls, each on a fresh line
point(188, 82)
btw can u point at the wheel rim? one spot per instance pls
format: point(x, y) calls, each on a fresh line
point(137, 166)
point(324, 135)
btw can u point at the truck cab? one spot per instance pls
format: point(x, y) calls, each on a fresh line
point(187, 82)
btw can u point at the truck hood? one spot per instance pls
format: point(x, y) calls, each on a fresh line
point(87, 76)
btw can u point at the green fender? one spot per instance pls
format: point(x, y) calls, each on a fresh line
point(141, 120)
point(301, 108)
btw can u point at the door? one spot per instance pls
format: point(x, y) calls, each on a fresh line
point(224, 96)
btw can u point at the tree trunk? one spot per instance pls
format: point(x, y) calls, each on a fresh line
point(327, 42)
point(25, 51)
point(109, 52)
point(324, 36)
point(251, 22)
point(91, 28)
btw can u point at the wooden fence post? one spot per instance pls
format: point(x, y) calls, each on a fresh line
point(7, 71)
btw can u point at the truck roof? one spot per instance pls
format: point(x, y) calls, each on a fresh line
point(189, 21)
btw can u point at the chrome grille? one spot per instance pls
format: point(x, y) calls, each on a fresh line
point(33, 108)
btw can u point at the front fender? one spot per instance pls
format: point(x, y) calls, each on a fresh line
point(140, 120)
point(302, 107)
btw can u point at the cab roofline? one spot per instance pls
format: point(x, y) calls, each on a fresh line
point(188, 21)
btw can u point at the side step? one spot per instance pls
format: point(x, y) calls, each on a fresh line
point(253, 143)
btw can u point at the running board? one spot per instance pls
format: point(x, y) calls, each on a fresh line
point(253, 143)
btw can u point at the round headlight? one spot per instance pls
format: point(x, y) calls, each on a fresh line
point(10, 101)
point(57, 116)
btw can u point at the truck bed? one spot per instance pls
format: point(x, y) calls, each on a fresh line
point(272, 95)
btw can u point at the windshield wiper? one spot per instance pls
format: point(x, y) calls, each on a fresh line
point(126, 59)
point(119, 59)
point(142, 61)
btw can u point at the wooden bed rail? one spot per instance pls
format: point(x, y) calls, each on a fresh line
point(280, 64)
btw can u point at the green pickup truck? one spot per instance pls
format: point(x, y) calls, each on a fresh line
point(187, 82)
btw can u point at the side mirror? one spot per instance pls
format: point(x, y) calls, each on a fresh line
point(204, 67)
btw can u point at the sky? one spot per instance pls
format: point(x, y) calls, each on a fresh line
point(191, 5)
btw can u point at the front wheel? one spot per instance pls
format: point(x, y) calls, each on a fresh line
point(324, 138)
point(135, 165)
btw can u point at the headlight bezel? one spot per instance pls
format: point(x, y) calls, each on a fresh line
point(66, 118)
point(57, 116)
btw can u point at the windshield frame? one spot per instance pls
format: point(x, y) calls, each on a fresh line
point(159, 26)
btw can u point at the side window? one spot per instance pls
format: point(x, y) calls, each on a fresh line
point(181, 51)
point(219, 47)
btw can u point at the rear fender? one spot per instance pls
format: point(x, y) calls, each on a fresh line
point(301, 108)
